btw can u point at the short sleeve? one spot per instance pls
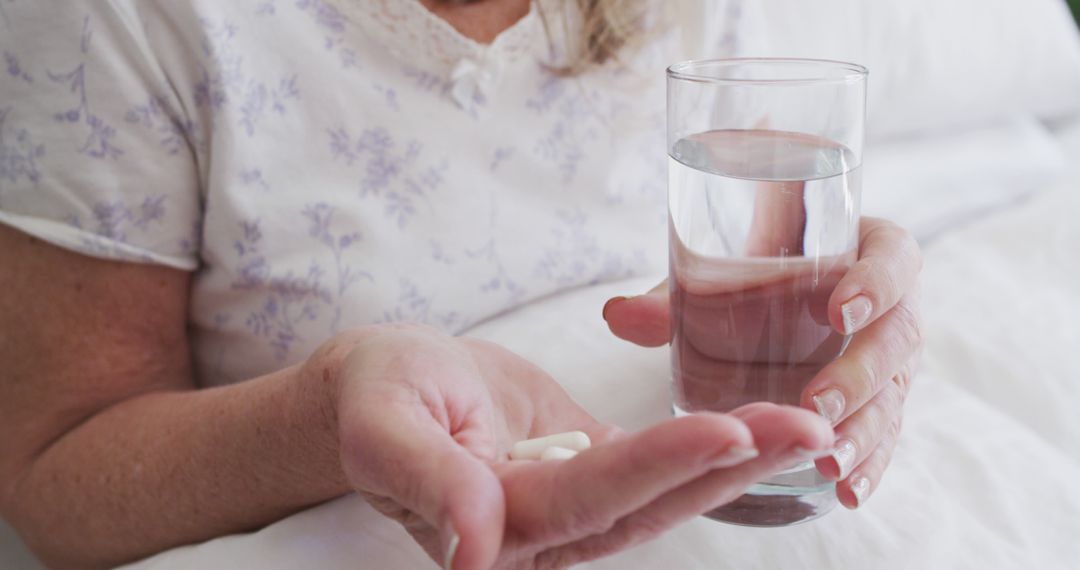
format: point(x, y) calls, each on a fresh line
point(94, 155)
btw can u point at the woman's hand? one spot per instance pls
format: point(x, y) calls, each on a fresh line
point(862, 392)
point(426, 422)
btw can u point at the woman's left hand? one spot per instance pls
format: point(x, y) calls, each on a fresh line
point(862, 392)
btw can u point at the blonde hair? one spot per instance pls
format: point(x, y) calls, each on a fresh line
point(607, 27)
point(602, 29)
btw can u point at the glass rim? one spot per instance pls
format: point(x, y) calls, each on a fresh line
point(685, 71)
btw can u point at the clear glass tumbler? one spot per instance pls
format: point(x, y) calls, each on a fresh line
point(763, 202)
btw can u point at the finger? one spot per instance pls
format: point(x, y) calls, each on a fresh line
point(778, 224)
point(560, 501)
point(408, 442)
point(643, 319)
point(855, 490)
point(885, 349)
point(859, 435)
point(782, 434)
point(429, 474)
point(888, 267)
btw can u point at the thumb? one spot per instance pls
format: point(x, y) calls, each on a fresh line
point(643, 319)
point(426, 472)
point(467, 500)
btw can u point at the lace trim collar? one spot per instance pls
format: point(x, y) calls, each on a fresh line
point(415, 35)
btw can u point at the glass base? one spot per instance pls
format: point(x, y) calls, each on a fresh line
point(796, 495)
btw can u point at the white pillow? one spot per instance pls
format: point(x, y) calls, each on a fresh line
point(934, 64)
point(930, 185)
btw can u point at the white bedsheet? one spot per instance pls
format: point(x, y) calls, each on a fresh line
point(987, 474)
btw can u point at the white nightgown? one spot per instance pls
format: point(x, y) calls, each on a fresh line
point(324, 164)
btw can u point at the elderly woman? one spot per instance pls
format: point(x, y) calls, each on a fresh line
point(238, 239)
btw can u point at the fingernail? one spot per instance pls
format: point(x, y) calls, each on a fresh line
point(855, 313)
point(736, 455)
point(451, 551)
point(804, 453)
point(844, 455)
point(609, 303)
point(830, 404)
point(860, 488)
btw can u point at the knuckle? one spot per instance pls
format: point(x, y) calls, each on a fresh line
point(582, 520)
point(887, 276)
point(904, 242)
point(902, 381)
point(894, 398)
point(880, 420)
point(893, 432)
point(892, 429)
point(870, 227)
point(865, 374)
point(553, 559)
point(644, 526)
point(909, 324)
point(879, 285)
point(576, 514)
point(883, 457)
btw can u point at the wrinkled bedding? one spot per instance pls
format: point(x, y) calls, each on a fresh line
point(986, 474)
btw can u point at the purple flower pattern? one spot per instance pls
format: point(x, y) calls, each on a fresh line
point(392, 172)
point(99, 140)
point(115, 219)
point(174, 133)
point(416, 306)
point(729, 40)
point(334, 25)
point(87, 35)
point(98, 143)
point(294, 292)
point(114, 223)
point(266, 8)
point(500, 281)
point(254, 177)
point(19, 154)
point(426, 81)
point(501, 155)
point(563, 146)
point(389, 95)
point(320, 217)
point(289, 299)
point(190, 244)
point(225, 83)
point(14, 70)
point(326, 15)
point(575, 257)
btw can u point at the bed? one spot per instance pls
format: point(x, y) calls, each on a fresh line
point(987, 472)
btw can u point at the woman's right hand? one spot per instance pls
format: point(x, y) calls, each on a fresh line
point(425, 423)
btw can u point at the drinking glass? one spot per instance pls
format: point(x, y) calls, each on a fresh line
point(763, 203)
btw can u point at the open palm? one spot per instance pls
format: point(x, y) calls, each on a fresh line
point(427, 420)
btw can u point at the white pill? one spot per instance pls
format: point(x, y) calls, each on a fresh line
point(555, 452)
point(533, 448)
